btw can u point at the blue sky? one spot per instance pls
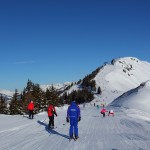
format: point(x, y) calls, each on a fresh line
point(64, 40)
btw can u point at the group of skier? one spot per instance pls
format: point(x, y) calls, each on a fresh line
point(103, 112)
point(73, 116)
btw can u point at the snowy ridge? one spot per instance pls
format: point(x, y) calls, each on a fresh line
point(122, 75)
point(137, 98)
point(58, 86)
point(126, 73)
point(7, 92)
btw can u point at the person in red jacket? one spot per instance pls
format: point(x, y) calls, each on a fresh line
point(51, 111)
point(103, 111)
point(31, 109)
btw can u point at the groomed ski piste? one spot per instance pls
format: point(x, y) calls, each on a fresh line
point(129, 129)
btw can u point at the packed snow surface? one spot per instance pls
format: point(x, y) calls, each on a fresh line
point(127, 130)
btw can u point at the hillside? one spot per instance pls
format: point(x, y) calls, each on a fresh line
point(118, 77)
point(137, 98)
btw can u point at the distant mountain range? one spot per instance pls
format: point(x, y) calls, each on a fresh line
point(115, 78)
point(6, 94)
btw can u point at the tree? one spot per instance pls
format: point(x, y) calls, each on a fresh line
point(99, 91)
point(3, 105)
point(29, 86)
point(52, 96)
point(38, 97)
point(15, 104)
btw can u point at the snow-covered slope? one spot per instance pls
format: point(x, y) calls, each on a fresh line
point(125, 74)
point(121, 132)
point(118, 77)
point(137, 98)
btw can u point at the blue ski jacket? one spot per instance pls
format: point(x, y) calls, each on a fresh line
point(73, 111)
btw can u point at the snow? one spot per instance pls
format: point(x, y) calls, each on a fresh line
point(114, 81)
point(95, 132)
point(127, 130)
point(58, 86)
point(123, 92)
point(7, 92)
point(137, 99)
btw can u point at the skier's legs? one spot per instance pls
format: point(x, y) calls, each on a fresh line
point(29, 113)
point(50, 121)
point(53, 121)
point(103, 114)
point(71, 128)
point(75, 128)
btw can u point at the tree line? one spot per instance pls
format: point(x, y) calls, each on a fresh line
point(41, 98)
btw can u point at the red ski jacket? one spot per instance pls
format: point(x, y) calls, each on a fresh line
point(31, 106)
point(103, 110)
point(51, 110)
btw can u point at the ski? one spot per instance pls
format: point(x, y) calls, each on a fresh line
point(70, 139)
point(51, 128)
point(76, 138)
point(73, 139)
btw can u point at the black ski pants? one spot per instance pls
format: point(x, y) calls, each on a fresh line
point(51, 121)
point(31, 114)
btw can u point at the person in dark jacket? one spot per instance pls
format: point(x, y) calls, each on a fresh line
point(31, 109)
point(73, 115)
point(51, 112)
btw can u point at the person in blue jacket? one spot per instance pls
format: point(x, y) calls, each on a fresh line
point(74, 116)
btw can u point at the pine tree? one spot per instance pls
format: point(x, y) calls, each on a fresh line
point(29, 86)
point(38, 94)
point(99, 91)
point(3, 105)
point(15, 104)
point(52, 96)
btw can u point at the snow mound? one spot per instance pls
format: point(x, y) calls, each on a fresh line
point(137, 98)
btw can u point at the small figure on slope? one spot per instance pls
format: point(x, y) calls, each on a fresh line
point(51, 111)
point(31, 109)
point(103, 111)
point(74, 116)
point(111, 112)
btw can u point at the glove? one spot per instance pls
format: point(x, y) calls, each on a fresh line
point(56, 115)
point(67, 120)
point(79, 119)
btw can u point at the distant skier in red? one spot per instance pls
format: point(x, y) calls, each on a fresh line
point(31, 109)
point(103, 111)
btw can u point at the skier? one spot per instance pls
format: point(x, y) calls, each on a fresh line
point(51, 111)
point(111, 112)
point(103, 111)
point(31, 109)
point(97, 106)
point(73, 115)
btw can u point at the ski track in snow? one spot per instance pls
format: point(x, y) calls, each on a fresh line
point(121, 132)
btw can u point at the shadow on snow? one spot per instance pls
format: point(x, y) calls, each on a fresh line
point(52, 131)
